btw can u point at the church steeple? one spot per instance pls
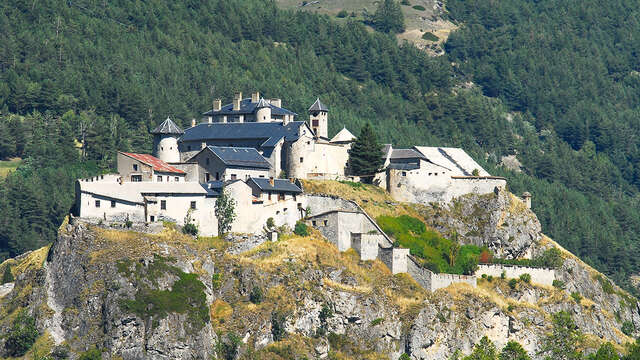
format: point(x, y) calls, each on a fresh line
point(319, 118)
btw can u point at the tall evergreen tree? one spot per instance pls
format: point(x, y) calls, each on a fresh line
point(388, 17)
point(564, 341)
point(483, 350)
point(365, 157)
point(513, 351)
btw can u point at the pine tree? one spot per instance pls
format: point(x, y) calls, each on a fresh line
point(513, 351)
point(388, 17)
point(484, 350)
point(365, 157)
point(225, 212)
point(563, 342)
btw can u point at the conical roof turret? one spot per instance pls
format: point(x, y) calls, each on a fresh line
point(318, 106)
point(168, 127)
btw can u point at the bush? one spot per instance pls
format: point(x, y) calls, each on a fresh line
point(419, 7)
point(405, 3)
point(526, 278)
point(190, 229)
point(216, 281)
point(343, 14)
point(490, 278)
point(92, 354)
point(513, 283)
point(576, 296)
point(558, 284)
point(628, 328)
point(485, 257)
point(503, 275)
point(256, 296)
point(377, 321)
point(430, 36)
point(404, 356)
point(128, 224)
point(607, 287)
point(278, 320)
point(7, 276)
point(22, 335)
point(301, 229)
point(484, 276)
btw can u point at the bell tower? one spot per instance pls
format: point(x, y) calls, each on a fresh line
point(319, 119)
point(165, 141)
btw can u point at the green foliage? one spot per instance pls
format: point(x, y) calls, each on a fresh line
point(526, 278)
point(439, 254)
point(388, 17)
point(190, 228)
point(405, 3)
point(185, 297)
point(325, 314)
point(576, 297)
point(605, 352)
point(607, 287)
point(91, 354)
point(342, 14)
point(559, 284)
point(550, 258)
point(7, 276)
point(216, 281)
point(513, 351)
point(301, 229)
point(256, 295)
point(364, 155)
point(404, 356)
point(628, 328)
point(565, 339)
point(503, 275)
point(377, 321)
point(513, 283)
point(483, 350)
point(278, 320)
point(227, 347)
point(419, 7)
point(225, 211)
point(430, 36)
point(22, 335)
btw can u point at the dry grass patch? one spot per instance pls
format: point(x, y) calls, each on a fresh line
point(220, 311)
point(34, 261)
point(348, 288)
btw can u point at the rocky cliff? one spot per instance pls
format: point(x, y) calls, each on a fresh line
point(137, 295)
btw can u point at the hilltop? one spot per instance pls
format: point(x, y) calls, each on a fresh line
point(165, 295)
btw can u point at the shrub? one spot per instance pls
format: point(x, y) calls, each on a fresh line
point(607, 287)
point(404, 356)
point(128, 224)
point(278, 320)
point(190, 229)
point(92, 354)
point(526, 278)
point(484, 276)
point(419, 7)
point(485, 257)
point(576, 296)
point(228, 349)
point(343, 14)
point(558, 284)
point(513, 283)
point(22, 335)
point(628, 328)
point(430, 36)
point(7, 276)
point(377, 321)
point(405, 3)
point(301, 229)
point(490, 278)
point(256, 296)
point(325, 314)
point(503, 275)
point(510, 307)
point(216, 281)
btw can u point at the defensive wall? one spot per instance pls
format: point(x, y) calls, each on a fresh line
point(540, 276)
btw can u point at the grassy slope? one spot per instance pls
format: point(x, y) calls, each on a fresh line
point(7, 166)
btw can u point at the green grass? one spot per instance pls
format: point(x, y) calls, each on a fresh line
point(419, 7)
point(8, 166)
point(430, 36)
point(434, 250)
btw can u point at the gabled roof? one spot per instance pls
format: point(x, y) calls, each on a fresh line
point(248, 107)
point(240, 156)
point(167, 127)
point(154, 162)
point(455, 159)
point(279, 185)
point(397, 154)
point(263, 131)
point(318, 106)
point(343, 135)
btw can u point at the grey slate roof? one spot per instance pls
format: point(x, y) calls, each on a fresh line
point(403, 166)
point(318, 106)
point(239, 156)
point(167, 127)
point(279, 185)
point(406, 154)
point(268, 132)
point(248, 107)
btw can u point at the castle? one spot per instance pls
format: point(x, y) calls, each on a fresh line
point(256, 150)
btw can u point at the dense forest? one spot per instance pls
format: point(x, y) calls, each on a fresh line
point(108, 72)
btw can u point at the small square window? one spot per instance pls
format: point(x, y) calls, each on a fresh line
point(325, 222)
point(313, 222)
point(135, 167)
point(167, 178)
point(177, 178)
point(163, 204)
point(404, 173)
point(234, 176)
point(193, 205)
point(159, 178)
point(152, 218)
point(97, 203)
point(136, 178)
point(113, 203)
point(301, 160)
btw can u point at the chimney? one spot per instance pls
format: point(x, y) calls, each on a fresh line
point(236, 101)
point(193, 122)
point(271, 181)
point(276, 102)
point(217, 104)
point(255, 97)
point(210, 119)
point(285, 119)
point(203, 145)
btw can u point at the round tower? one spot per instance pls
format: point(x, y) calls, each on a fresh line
point(165, 141)
point(319, 119)
point(263, 111)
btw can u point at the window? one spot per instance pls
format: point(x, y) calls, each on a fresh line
point(177, 178)
point(269, 195)
point(136, 178)
point(280, 197)
point(152, 218)
point(163, 204)
point(101, 177)
point(404, 173)
point(308, 142)
point(301, 159)
point(261, 176)
point(313, 222)
point(135, 167)
point(167, 178)
point(97, 203)
point(429, 174)
point(113, 203)
point(207, 177)
point(284, 210)
point(159, 178)
point(315, 123)
point(234, 176)
point(325, 222)
point(193, 205)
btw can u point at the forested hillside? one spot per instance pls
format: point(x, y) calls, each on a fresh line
point(109, 71)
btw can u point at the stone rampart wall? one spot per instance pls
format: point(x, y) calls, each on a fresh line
point(541, 276)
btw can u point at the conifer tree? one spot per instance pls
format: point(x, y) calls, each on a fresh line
point(564, 341)
point(225, 212)
point(513, 351)
point(388, 17)
point(484, 350)
point(365, 157)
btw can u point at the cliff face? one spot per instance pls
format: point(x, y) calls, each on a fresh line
point(164, 296)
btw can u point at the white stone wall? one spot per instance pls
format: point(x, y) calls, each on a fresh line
point(366, 245)
point(166, 148)
point(85, 204)
point(326, 159)
point(540, 276)
point(439, 281)
point(177, 206)
point(395, 259)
